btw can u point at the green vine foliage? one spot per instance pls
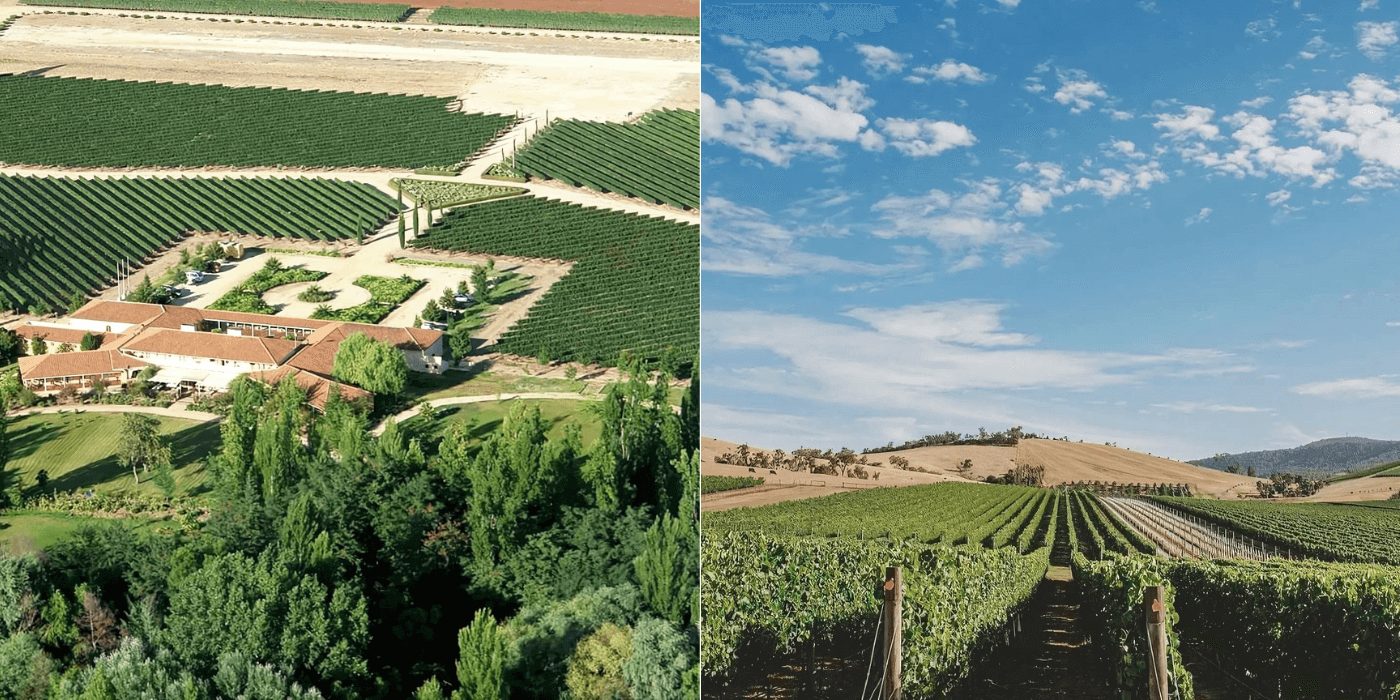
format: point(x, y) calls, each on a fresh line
point(1310, 629)
point(953, 596)
point(1111, 605)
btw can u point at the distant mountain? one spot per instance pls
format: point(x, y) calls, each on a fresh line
point(1331, 456)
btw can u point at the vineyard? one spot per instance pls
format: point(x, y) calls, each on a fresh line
point(127, 124)
point(635, 284)
point(776, 575)
point(780, 590)
point(716, 484)
point(578, 21)
point(947, 513)
point(60, 236)
point(1319, 530)
point(656, 159)
point(309, 9)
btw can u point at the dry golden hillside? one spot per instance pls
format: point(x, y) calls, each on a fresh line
point(1063, 462)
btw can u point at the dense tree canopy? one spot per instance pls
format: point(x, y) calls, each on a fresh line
point(336, 564)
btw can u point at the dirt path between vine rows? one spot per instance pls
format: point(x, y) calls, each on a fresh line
point(1050, 658)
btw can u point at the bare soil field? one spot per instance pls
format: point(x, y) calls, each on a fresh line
point(1063, 462)
point(794, 485)
point(674, 8)
point(568, 77)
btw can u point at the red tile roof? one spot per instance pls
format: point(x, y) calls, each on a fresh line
point(75, 364)
point(72, 336)
point(401, 338)
point(118, 312)
point(212, 345)
point(317, 388)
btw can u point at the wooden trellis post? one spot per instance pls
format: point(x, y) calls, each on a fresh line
point(894, 630)
point(1155, 603)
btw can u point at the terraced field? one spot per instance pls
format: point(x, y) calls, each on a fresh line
point(635, 284)
point(64, 236)
point(116, 123)
point(656, 159)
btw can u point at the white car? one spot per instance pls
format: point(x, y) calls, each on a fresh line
point(194, 276)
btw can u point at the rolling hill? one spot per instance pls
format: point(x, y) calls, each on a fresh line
point(1330, 456)
point(1063, 462)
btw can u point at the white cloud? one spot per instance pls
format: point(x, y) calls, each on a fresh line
point(879, 60)
point(1357, 120)
point(963, 322)
point(1368, 5)
point(949, 71)
point(1392, 324)
point(1201, 217)
point(961, 225)
point(924, 137)
point(1367, 388)
point(745, 240)
point(901, 357)
point(1118, 115)
point(796, 62)
point(1079, 93)
point(1257, 102)
point(1278, 198)
point(1034, 86)
point(1374, 39)
point(1009, 3)
point(1193, 121)
point(1256, 152)
point(1262, 29)
point(779, 124)
point(1193, 406)
point(1128, 149)
point(846, 95)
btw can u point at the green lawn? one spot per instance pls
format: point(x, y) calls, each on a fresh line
point(25, 533)
point(453, 383)
point(487, 416)
point(79, 452)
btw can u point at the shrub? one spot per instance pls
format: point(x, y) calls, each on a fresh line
point(595, 669)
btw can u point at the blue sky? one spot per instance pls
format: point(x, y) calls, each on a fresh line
point(1166, 225)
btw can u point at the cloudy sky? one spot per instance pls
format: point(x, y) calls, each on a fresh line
point(1167, 225)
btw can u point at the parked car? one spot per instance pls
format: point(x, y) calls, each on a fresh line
point(434, 326)
point(194, 276)
point(173, 291)
point(464, 299)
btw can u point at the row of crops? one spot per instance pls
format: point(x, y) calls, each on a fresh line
point(309, 9)
point(635, 284)
point(782, 588)
point(59, 236)
point(80, 122)
point(656, 159)
point(577, 21)
point(1331, 532)
point(948, 513)
point(1293, 629)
